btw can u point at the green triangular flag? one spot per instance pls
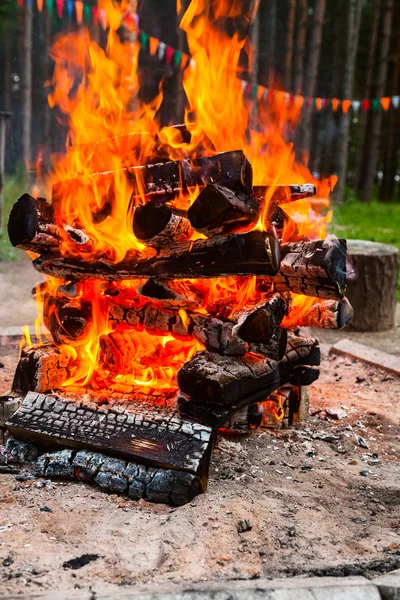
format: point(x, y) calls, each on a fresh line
point(86, 13)
point(253, 91)
point(177, 58)
point(330, 105)
point(50, 5)
point(375, 104)
point(314, 103)
point(144, 38)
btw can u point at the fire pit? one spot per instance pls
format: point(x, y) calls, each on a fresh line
point(177, 283)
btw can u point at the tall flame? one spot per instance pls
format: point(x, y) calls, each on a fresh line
point(96, 93)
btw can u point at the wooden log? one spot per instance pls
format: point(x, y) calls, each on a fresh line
point(231, 169)
point(149, 436)
point(222, 380)
point(218, 209)
point(158, 226)
point(372, 288)
point(316, 268)
point(42, 368)
point(326, 314)
point(117, 476)
point(282, 194)
point(301, 352)
point(253, 253)
point(31, 227)
point(161, 294)
point(68, 321)
point(254, 330)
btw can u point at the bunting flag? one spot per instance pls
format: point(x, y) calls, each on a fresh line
point(179, 60)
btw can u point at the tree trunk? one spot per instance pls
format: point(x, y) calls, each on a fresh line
point(353, 30)
point(289, 44)
point(47, 111)
point(312, 73)
point(364, 118)
point(372, 150)
point(393, 132)
point(27, 87)
point(272, 5)
point(300, 48)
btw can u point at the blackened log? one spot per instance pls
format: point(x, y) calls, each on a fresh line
point(68, 321)
point(231, 169)
point(150, 436)
point(327, 314)
point(218, 209)
point(30, 227)
point(42, 368)
point(117, 476)
point(282, 194)
point(163, 295)
point(316, 268)
point(259, 323)
point(156, 225)
point(256, 385)
point(253, 253)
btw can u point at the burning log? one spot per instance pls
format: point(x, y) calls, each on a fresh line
point(218, 209)
point(31, 227)
point(217, 335)
point(146, 436)
point(67, 322)
point(253, 253)
point(282, 194)
point(231, 169)
point(208, 378)
point(161, 294)
point(315, 268)
point(212, 391)
point(42, 368)
point(158, 226)
point(327, 314)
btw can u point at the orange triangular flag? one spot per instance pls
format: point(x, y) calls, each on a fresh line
point(154, 43)
point(79, 11)
point(260, 93)
point(345, 106)
point(318, 103)
point(40, 5)
point(299, 101)
point(386, 102)
point(335, 104)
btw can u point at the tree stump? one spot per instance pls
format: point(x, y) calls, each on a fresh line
point(372, 291)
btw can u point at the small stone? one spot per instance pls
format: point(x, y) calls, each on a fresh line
point(360, 379)
point(46, 509)
point(1, 365)
point(364, 473)
point(244, 525)
point(362, 442)
point(360, 520)
point(336, 413)
point(7, 561)
point(292, 531)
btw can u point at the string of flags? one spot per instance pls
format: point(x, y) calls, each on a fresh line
point(85, 13)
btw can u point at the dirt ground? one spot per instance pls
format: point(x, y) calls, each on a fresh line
point(318, 502)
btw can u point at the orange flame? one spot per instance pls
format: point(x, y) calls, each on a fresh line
point(111, 130)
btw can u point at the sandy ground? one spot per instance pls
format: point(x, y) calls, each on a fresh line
point(317, 502)
point(17, 278)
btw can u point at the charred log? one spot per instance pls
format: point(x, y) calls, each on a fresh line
point(148, 436)
point(218, 209)
point(117, 476)
point(327, 314)
point(161, 294)
point(282, 194)
point(158, 226)
point(253, 253)
point(259, 323)
point(231, 169)
point(256, 385)
point(42, 368)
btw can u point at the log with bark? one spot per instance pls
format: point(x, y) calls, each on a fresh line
point(161, 294)
point(210, 378)
point(116, 476)
point(316, 268)
point(149, 435)
point(157, 225)
point(212, 391)
point(253, 253)
point(254, 330)
point(326, 314)
point(282, 194)
point(218, 209)
point(31, 227)
point(231, 169)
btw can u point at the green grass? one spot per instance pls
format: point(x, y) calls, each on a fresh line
point(14, 188)
point(376, 222)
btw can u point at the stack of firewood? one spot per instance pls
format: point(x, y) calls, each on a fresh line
point(247, 354)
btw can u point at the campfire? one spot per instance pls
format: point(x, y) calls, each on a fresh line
point(180, 265)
